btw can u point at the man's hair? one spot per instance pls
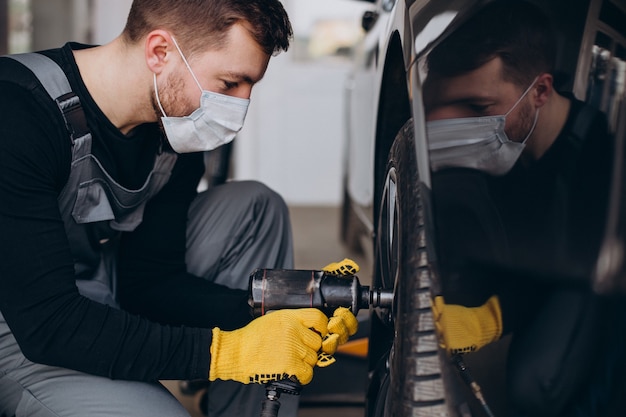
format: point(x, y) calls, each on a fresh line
point(518, 32)
point(203, 24)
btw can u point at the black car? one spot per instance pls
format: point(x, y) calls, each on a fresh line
point(388, 208)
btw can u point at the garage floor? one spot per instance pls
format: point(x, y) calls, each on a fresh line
point(316, 240)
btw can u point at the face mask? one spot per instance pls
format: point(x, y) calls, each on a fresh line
point(475, 142)
point(215, 123)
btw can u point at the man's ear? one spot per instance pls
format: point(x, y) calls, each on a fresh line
point(158, 48)
point(543, 89)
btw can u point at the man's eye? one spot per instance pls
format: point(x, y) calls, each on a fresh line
point(228, 85)
point(479, 108)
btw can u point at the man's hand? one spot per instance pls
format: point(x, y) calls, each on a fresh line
point(467, 329)
point(343, 323)
point(345, 267)
point(278, 345)
point(341, 326)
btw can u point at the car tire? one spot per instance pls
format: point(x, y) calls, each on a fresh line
point(413, 365)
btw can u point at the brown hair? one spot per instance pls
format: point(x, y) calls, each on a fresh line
point(203, 24)
point(518, 32)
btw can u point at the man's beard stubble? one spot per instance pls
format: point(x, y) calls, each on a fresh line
point(522, 128)
point(174, 104)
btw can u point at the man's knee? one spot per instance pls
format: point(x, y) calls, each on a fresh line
point(552, 361)
point(236, 227)
point(240, 195)
point(532, 393)
point(263, 198)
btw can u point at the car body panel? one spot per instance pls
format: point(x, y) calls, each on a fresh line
point(384, 90)
point(389, 67)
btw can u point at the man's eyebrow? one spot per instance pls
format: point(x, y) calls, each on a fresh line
point(240, 76)
point(473, 99)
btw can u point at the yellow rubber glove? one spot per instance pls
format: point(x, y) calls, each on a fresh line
point(467, 329)
point(343, 323)
point(278, 345)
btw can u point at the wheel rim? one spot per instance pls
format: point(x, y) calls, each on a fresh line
point(386, 271)
point(387, 236)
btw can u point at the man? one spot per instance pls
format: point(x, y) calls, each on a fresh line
point(99, 211)
point(520, 186)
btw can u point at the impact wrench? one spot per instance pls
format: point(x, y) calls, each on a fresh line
point(275, 289)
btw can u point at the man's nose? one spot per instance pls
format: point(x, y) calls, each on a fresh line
point(242, 91)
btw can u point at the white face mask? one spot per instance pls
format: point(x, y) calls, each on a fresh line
point(475, 142)
point(215, 123)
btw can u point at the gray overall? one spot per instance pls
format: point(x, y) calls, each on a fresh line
point(95, 211)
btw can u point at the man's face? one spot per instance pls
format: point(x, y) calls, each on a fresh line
point(482, 92)
point(232, 70)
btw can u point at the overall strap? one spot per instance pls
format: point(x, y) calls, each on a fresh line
point(58, 87)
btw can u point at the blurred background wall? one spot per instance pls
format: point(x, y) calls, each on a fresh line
point(293, 133)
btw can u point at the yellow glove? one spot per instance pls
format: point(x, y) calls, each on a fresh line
point(345, 267)
point(467, 329)
point(343, 323)
point(278, 345)
point(341, 326)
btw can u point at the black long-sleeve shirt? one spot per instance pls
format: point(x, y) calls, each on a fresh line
point(163, 330)
point(537, 228)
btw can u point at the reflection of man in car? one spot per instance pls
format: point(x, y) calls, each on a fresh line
point(520, 186)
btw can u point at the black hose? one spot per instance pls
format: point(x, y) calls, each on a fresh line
point(269, 408)
point(467, 377)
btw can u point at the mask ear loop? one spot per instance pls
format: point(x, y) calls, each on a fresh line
point(186, 63)
point(532, 129)
point(522, 96)
point(156, 92)
point(532, 84)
